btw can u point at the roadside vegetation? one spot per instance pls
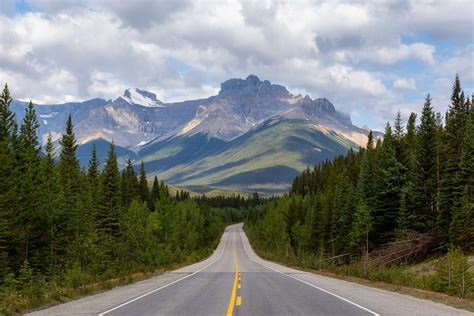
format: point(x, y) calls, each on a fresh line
point(66, 232)
point(373, 214)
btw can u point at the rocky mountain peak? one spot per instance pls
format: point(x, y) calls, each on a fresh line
point(137, 96)
point(253, 86)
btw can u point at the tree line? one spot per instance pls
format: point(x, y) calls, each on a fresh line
point(59, 223)
point(414, 183)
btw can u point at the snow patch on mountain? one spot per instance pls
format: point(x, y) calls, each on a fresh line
point(141, 97)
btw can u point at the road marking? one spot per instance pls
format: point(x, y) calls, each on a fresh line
point(165, 286)
point(238, 286)
point(230, 308)
point(239, 301)
point(307, 283)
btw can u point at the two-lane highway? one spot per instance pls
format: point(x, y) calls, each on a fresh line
point(235, 281)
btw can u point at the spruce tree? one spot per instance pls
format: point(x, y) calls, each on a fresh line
point(109, 206)
point(463, 208)
point(129, 184)
point(425, 189)
point(7, 117)
point(155, 193)
point(8, 183)
point(451, 192)
point(143, 185)
point(69, 175)
point(52, 207)
point(389, 187)
point(29, 217)
point(93, 177)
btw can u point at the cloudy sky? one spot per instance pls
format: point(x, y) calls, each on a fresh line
point(369, 58)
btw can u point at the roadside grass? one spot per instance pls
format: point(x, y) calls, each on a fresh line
point(41, 294)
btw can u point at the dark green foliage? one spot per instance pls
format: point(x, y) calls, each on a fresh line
point(143, 190)
point(61, 226)
point(417, 184)
point(426, 183)
point(129, 184)
point(110, 203)
point(155, 193)
point(7, 117)
point(450, 188)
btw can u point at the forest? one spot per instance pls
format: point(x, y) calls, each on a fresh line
point(65, 231)
point(405, 197)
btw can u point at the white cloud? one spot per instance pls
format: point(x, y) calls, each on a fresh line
point(404, 84)
point(348, 51)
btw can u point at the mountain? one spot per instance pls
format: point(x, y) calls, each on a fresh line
point(252, 135)
point(265, 159)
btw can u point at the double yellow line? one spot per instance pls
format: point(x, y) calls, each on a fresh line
point(234, 299)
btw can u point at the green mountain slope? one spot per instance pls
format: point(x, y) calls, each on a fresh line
point(84, 152)
point(265, 159)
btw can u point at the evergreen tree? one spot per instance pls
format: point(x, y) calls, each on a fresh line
point(30, 193)
point(451, 192)
point(155, 193)
point(93, 171)
point(93, 176)
point(389, 186)
point(109, 206)
point(366, 183)
point(129, 184)
point(425, 176)
point(8, 184)
point(361, 228)
point(7, 117)
point(52, 210)
point(463, 208)
point(78, 221)
point(143, 190)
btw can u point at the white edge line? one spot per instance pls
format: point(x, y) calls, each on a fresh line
point(307, 283)
point(164, 286)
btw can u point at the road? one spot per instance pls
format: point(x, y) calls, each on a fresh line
point(235, 281)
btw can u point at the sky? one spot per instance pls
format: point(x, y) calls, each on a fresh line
point(369, 58)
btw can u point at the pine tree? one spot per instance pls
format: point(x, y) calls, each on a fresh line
point(29, 217)
point(70, 179)
point(425, 176)
point(93, 171)
point(361, 228)
point(129, 184)
point(451, 191)
point(8, 184)
point(109, 206)
point(7, 117)
point(93, 177)
point(155, 193)
point(143, 185)
point(407, 199)
point(465, 175)
point(460, 226)
point(366, 183)
point(389, 187)
point(52, 207)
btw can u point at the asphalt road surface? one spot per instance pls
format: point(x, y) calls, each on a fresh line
point(235, 281)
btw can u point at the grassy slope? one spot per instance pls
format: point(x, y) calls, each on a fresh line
point(249, 162)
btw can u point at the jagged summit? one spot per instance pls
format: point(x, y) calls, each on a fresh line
point(254, 86)
point(141, 97)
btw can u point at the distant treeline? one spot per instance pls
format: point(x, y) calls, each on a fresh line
point(416, 184)
point(63, 226)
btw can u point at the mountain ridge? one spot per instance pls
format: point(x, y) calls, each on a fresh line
point(180, 141)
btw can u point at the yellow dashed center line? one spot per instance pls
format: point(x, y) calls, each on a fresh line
point(232, 302)
point(239, 301)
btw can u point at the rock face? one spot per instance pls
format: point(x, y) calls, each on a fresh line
point(138, 117)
